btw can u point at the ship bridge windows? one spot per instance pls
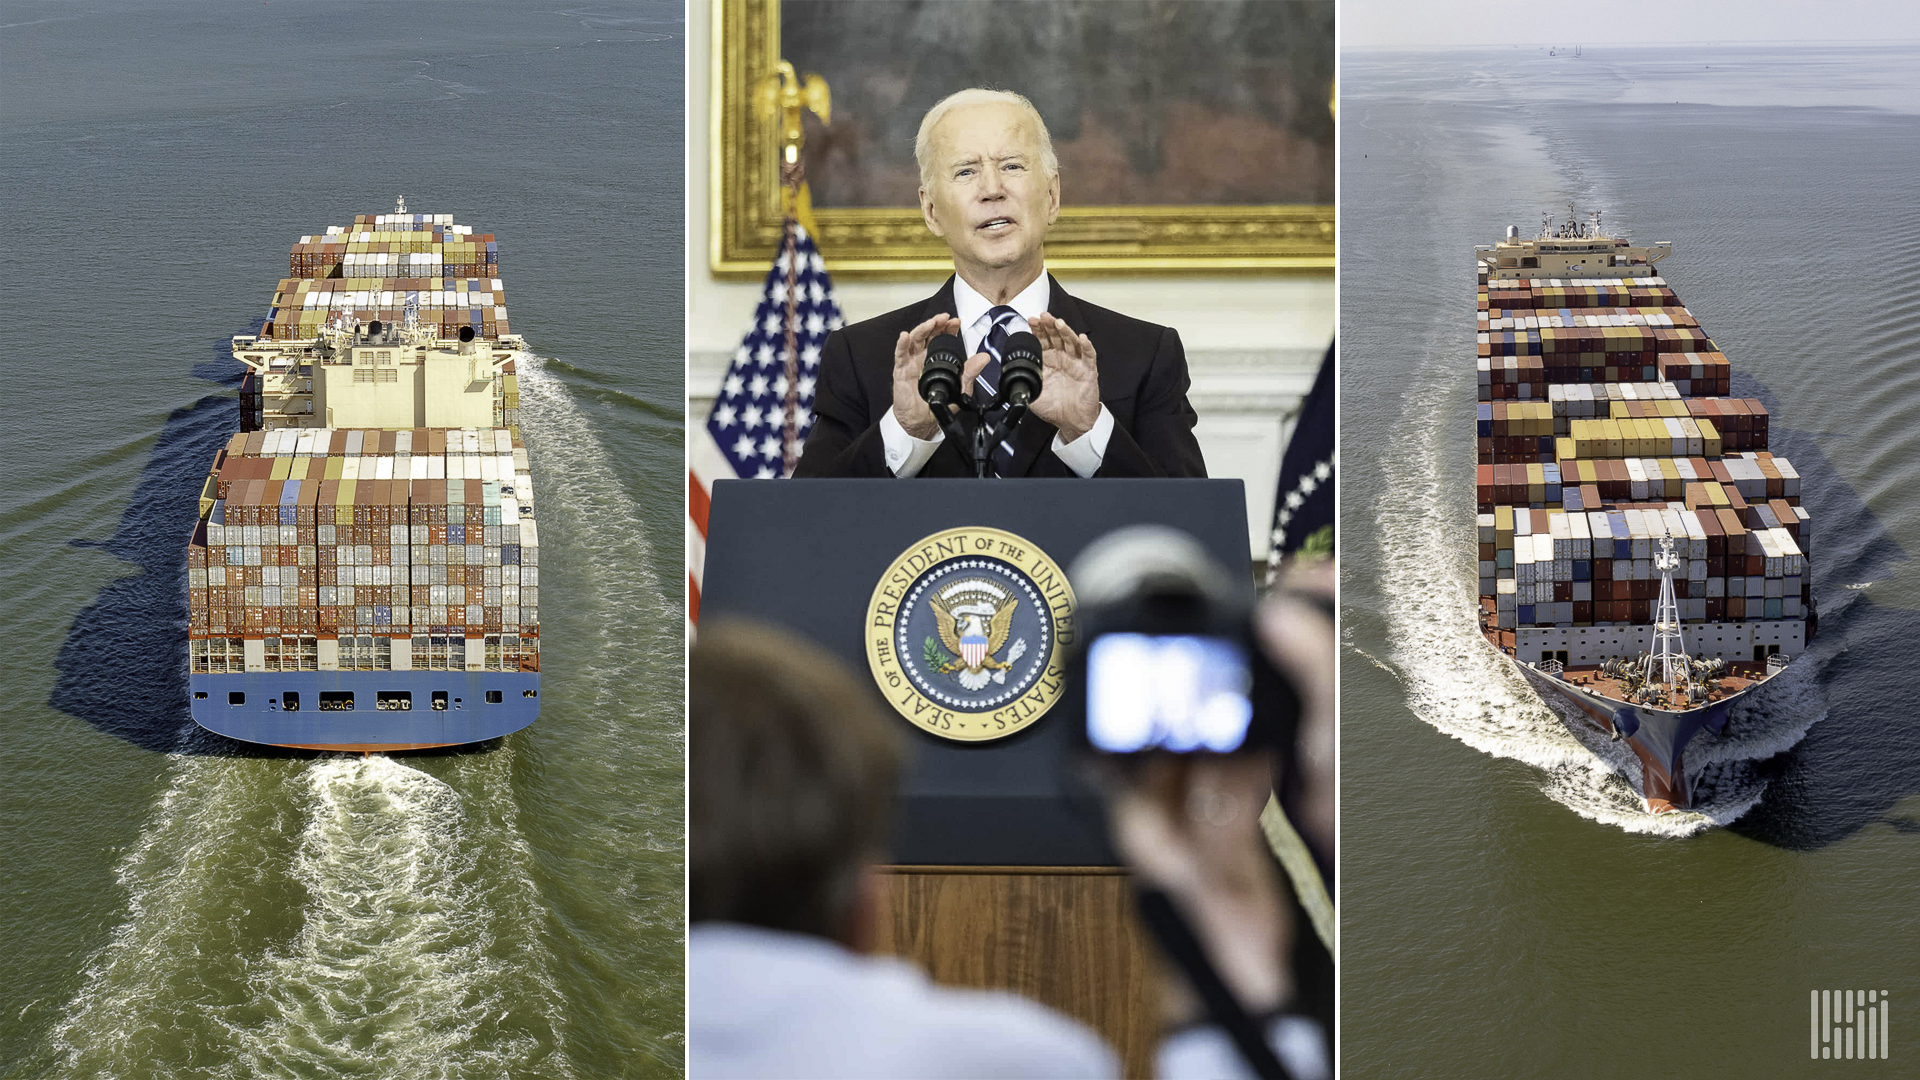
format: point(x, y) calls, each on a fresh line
point(218, 656)
point(366, 652)
point(434, 652)
point(505, 651)
point(292, 653)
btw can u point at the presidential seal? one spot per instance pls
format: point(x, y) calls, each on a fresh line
point(967, 631)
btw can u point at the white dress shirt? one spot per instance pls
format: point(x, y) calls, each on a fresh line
point(906, 454)
point(765, 1003)
point(761, 1003)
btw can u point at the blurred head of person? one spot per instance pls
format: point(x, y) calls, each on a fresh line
point(792, 772)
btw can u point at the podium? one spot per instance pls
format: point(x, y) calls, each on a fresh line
point(1004, 875)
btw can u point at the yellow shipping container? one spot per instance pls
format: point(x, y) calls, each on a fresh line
point(343, 503)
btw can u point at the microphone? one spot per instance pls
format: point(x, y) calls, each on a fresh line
point(1020, 369)
point(940, 376)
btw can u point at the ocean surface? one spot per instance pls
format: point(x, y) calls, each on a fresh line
point(177, 905)
point(1508, 907)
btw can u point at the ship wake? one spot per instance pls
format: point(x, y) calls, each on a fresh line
point(399, 967)
point(361, 928)
point(613, 672)
point(633, 662)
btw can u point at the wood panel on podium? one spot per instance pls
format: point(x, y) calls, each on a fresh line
point(1066, 937)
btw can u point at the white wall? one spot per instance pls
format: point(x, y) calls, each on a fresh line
point(1253, 343)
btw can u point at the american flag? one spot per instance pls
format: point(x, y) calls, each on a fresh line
point(750, 433)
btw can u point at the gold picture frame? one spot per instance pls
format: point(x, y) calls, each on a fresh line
point(893, 242)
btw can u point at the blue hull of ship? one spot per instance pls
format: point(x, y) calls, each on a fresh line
point(469, 717)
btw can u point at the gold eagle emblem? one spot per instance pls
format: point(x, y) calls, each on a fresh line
point(966, 615)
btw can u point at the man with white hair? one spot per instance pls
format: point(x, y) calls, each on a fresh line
point(1113, 399)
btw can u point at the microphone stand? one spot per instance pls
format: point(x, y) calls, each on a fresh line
point(954, 425)
point(975, 445)
point(980, 447)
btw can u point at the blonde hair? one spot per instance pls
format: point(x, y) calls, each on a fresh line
point(978, 95)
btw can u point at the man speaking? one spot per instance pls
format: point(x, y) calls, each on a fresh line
point(1113, 396)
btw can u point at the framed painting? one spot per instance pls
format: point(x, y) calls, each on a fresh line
point(1192, 138)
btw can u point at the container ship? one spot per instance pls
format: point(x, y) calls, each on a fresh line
point(1642, 554)
point(364, 572)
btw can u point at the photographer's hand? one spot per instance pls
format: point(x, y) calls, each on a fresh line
point(1190, 826)
point(1295, 626)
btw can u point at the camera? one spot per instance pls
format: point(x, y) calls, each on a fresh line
point(1165, 658)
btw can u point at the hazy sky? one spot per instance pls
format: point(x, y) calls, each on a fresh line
point(1366, 24)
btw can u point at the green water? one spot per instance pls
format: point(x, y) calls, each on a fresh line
point(177, 905)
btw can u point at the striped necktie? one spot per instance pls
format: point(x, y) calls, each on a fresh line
point(987, 383)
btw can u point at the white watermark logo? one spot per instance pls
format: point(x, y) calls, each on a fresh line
point(1849, 1024)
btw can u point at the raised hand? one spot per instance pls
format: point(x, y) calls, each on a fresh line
point(1070, 378)
point(909, 356)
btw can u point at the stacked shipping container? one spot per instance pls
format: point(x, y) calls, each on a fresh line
point(368, 548)
point(1539, 332)
point(367, 271)
point(1604, 425)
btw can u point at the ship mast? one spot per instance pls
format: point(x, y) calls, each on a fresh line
point(1669, 656)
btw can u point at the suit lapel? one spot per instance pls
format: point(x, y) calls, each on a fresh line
point(940, 303)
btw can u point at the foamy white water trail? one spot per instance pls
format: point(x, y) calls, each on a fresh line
point(1459, 684)
point(588, 495)
point(636, 640)
point(414, 945)
point(151, 984)
point(399, 967)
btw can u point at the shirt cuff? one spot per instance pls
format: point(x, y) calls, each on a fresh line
point(1084, 454)
point(906, 454)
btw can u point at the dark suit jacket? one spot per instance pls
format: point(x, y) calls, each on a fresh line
point(1143, 382)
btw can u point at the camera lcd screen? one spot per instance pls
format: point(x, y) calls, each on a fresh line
point(1175, 692)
